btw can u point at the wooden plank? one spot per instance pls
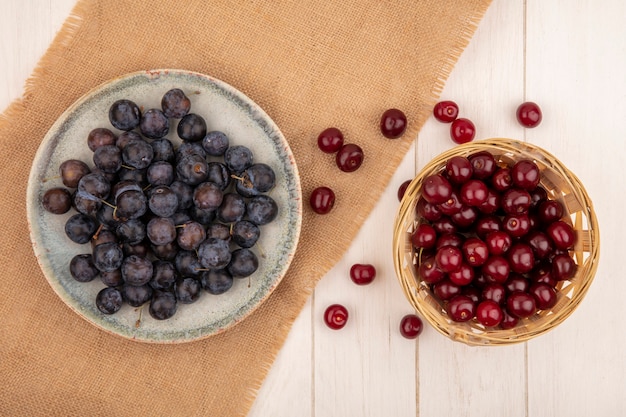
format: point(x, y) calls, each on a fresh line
point(367, 368)
point(287, 390)
point(576, 60)
point(487, 84)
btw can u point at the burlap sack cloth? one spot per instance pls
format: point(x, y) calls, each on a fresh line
point(310, 64)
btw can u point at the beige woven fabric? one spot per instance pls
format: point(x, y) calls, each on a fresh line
point(310, 64)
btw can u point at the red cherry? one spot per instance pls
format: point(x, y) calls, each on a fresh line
point(362, 274)
point(446, 111)
point(449, 258)
point(521, 304)
point(475, 251)
point(349, 158)
point(461, 308)
point(411, 326)
point(330, 140)
point(402, 189)
point(498, 242)
point(428, 211)
point(494, 292)
point(430, 272)
point(509, 321)
point(436, 189)
point(545, 295)
point(489, 313)
point(446, 289)
point(336, 316)
point(525, 174)
point(562, 234)
point(322, 200)
point(459, 169)
point(424, 236)
point(462, 276)
point(462, 131)
point(529, 114)
point(393, 123)
point(496, 269)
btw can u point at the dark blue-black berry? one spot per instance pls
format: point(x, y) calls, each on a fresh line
point(216, 281)
point(191, 128)
point(82, 268)
point(162, 305)
point(214, 253)
point(187, 290)
point(109, 300)
point(80, 228)
point(124, 115)
point(262, 209)
point(154, 124)
point(243, 263)
point(215, 143)
point(108, 257)
point(245, 233)
point(238, 158)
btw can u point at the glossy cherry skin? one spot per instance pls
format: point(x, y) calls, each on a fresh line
point(436, 189)
point(462, 276)
point(515, 201)
point(550, 211)
point(362, 274)
point(501, 179)
point(529, 114)
point(424, 236)
point(475, 251)
point(562, 234)
point(494, 292)
point(521, 258)
point(451, 239)
point(428, 211)
point(517, 225)
point(461, 308)
point(322, 200)
point(429, 272)
point(489, 313)
point(446, 111)
point(540, 243)
point(486, 224)
point(336, 316)
point(449, 258)
point(544, 294)
point(509, 321)
point(525, 174)
point(484, 164)
point(446, 289)
point(474, 193)
point(462, 130)
point(459, 169)
point(411, 326)
point(349, 157)
point(393, 123)
point(521, 304)
point(496, 269)
point(402, 189)
point(498, 242)
point(330, 140)
point(563, 267)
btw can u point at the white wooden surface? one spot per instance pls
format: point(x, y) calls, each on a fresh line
point(570, 57)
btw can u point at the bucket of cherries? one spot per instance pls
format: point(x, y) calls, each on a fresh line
point(495, 242)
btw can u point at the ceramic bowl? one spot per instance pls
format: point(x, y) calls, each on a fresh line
point(224, 108)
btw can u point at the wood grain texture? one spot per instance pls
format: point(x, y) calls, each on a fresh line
point(570, 57)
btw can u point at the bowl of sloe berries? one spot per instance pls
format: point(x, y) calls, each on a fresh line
point(164, 206)
point(496, 242)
